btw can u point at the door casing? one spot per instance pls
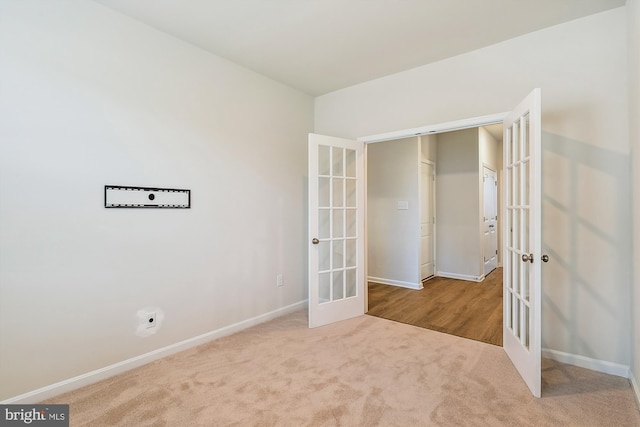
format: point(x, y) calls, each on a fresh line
point(432, 205)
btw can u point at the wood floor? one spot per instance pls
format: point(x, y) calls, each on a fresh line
point(466, 309)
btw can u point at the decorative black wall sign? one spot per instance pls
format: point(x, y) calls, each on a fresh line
point(117, 196)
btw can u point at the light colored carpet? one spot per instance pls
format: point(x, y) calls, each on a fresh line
point(365, 371)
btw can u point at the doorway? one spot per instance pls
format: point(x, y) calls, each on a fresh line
point(472, 310)
point(465, 302)
point(521, 212)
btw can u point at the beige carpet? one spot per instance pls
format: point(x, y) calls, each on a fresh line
point(361, 372)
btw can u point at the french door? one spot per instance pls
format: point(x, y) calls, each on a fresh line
point(522, 250)
point(336, 229)
point(336, 234)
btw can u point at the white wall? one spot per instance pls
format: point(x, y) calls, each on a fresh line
point(489, 150)
point(393, 176)
point(633, 14)
point(458, 244)
point(581, 67)
point(90, 97)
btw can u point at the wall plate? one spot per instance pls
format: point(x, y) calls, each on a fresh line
point(117, 196)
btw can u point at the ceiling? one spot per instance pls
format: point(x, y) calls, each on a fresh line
point(319, 46)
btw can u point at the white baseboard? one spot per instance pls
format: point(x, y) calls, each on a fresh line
point(460, 276)
point(126, 365)
point(587, 362)
point(634, 386)
point(410, 285)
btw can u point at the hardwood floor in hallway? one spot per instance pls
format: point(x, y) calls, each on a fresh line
point(458, 307)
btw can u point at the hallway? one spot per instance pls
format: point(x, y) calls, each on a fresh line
point(467, 309)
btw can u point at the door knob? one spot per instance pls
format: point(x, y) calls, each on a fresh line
point(315, 241)
point(527, 258)
point(545, 258)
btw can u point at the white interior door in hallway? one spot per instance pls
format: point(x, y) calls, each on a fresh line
point(427, 220)
point(490, 219)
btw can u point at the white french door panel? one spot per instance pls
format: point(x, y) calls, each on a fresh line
point(522, 234)
point(336, 229)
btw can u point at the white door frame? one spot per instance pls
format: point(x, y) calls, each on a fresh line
point(472, 122)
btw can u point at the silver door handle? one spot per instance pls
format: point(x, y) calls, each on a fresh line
point(527, 258)
point(315, 241)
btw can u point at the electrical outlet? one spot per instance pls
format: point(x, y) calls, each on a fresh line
point(151, 320)
point(279, 281)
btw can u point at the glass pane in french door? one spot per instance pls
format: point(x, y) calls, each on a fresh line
point(518, 240)
point(337, 223)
